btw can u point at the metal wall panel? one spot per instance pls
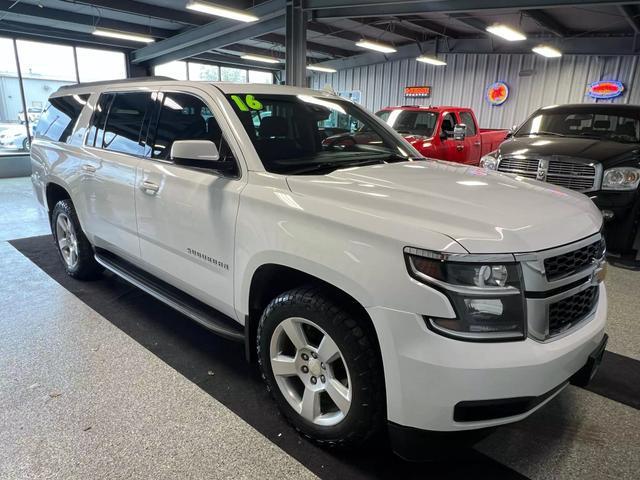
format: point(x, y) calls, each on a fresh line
point(463, 82)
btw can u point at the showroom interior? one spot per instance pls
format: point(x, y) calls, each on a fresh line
point(101, 379)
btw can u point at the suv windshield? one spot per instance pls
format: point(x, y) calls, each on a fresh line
point(411, 122)
point(298, 134)
point(614, 124)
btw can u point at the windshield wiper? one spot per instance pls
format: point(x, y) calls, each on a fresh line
point(555, 134)
point(331, 166)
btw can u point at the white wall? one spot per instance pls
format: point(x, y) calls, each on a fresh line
point(463, 82)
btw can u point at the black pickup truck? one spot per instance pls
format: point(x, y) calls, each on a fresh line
point(591, 148)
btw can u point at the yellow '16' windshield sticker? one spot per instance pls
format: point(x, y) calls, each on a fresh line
point(249, 103)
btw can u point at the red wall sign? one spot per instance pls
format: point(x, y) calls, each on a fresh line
point(605, 89)
point(497, 93)
point(424, 91)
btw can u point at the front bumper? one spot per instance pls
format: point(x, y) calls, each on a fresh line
point(427, 374)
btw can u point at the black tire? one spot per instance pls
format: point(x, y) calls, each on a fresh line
point(86, 267)
point(355, 339)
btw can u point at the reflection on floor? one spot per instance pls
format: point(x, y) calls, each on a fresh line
point(20, 213)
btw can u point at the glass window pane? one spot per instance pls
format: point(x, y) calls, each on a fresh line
point(229, 74)
point(467, 119)
point(183, 117)
point(124, 123)
point(60, 116)
point(202, 72)
point(177, 70)
point(45, 67)
point(40, 60)
point(13, 132)
point(95, 65)
point(256, 76)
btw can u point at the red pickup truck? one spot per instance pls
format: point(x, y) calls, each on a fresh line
point(446, 133)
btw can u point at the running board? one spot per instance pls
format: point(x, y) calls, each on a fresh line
point(196, 310)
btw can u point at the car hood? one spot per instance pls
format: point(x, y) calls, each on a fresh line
point(485, 212)
point(586, 149)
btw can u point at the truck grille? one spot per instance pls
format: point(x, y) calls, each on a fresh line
point(572, 175)
point(571, 310)
point(569, 263)
point(527, 167)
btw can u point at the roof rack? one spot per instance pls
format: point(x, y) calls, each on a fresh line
point(114, 82)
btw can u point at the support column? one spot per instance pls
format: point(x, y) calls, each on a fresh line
point(296, 44)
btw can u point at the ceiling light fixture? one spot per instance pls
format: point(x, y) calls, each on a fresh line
point(431, 60)
point(506, 32)
point(102, 32)
point(220, 11)
point(378, 47)
point(260, 58)
point(547, 51)
point(317, 68)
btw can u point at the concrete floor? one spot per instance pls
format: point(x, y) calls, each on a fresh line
point(81, 399)
point(20, 215)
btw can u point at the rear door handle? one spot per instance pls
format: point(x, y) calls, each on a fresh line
point(149, 188)
point(88, 168)
point(459, 147)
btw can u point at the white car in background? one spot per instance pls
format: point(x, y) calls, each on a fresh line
point(14, 137)
point(377, 289)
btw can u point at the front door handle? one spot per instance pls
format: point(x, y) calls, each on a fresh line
point(459, 147)
point(477, 144)
point(149, 188)
point(88, 168)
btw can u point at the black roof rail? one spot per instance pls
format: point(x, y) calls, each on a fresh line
point(114, 82)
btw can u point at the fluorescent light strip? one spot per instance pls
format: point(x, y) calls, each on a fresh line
point(260, 58)
point(220, 11)
point(101, 32)
point(506, 32)
point(547, 51)
point(378, 47)
point(316, 68)
point(430, 60)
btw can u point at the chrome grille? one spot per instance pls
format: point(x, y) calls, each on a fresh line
point(520, 166)
point(565, 173)
point(571, 310)
point(555, 281)
point(572, 262)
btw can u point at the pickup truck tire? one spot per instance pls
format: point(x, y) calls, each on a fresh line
point(75, 250)
point(322, 367)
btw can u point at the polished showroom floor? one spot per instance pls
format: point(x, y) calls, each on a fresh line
point(99, 380)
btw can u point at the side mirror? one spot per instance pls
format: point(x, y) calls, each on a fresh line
point(194, 151)
point(460, 132)
point(199, 154)
point(511, 131)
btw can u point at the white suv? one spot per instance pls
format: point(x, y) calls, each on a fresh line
point(375, 288)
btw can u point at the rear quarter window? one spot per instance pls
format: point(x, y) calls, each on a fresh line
point(467, 119)
point(59, 117)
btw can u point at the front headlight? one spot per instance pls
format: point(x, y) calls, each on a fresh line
point(621, 178)
point(486, 294)
point(490, 161)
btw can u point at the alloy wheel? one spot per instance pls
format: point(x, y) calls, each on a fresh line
point(310, 371)
point(67, 240)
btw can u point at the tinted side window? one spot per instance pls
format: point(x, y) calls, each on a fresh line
point(183, 117)
point(123, 129)
point(96, 130)
point(467, 119)
point(448, 124)
point(60, 116)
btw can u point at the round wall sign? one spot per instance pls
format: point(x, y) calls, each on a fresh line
point(497, 93)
